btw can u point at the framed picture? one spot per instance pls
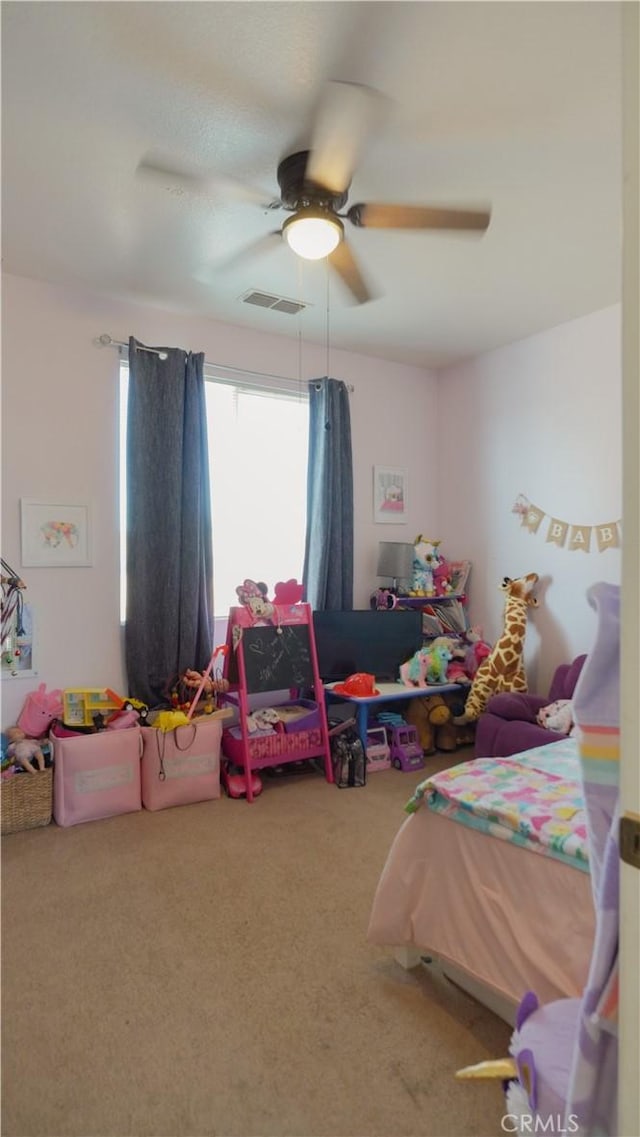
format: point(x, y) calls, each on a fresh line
point(54, 535)
point(390, 495)
point(18, 656)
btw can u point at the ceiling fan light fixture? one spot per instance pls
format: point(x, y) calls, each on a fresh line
point(313, 233)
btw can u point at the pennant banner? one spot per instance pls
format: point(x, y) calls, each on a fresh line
point(575, 538)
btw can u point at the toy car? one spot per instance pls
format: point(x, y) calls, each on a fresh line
point(406, 752)
point(234, 783)
point(378, 754)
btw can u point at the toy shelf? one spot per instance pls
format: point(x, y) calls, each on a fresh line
point(418, 601)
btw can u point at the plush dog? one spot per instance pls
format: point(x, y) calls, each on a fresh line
point(557, 716)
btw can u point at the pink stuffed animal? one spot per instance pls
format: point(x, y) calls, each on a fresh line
point(442, 579)
point(478, 650)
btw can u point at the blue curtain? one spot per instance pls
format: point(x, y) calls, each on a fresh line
point(328, 558)
point(169, 623)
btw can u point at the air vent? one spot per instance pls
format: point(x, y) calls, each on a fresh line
point(277, 303)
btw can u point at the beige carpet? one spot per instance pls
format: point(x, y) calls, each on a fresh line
point(203, 972)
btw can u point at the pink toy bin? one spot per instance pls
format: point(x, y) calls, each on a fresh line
point(299, 714)
point(181, 766)
point(96, 775)
point(269, 745)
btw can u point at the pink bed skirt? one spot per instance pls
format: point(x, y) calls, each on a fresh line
point(512, 919)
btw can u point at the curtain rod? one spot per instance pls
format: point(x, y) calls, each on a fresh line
point(105, 340)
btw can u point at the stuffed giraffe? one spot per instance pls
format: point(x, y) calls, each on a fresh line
point(503, 669)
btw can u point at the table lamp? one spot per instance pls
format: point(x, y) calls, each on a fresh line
point(395, 560)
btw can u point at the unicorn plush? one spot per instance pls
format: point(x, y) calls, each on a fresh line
point(425, 559)
point(562, 1073)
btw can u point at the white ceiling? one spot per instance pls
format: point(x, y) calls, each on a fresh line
point(516, 104)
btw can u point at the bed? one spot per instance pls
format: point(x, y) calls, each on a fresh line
point(489, 875)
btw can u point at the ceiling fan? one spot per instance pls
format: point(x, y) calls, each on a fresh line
point(314, 187)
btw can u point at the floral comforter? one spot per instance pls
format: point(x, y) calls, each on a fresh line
point(533, 799)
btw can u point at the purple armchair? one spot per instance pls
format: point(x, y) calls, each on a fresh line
point(508, 725)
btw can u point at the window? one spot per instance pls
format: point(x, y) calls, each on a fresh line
point(258, 443)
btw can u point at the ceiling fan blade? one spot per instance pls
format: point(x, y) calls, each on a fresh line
point(177, 181)
point(256, 249)
point(262, 245)
point(417, 217)
point(345, 264)
point(344, 119)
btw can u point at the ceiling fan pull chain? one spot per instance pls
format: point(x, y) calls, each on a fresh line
point(328, 317)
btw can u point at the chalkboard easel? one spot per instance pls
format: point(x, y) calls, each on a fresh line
point(275, 654)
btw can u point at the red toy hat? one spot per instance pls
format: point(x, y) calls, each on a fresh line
point(360, 685)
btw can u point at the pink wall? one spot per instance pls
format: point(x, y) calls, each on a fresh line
point(60, 440)
point(540, 417)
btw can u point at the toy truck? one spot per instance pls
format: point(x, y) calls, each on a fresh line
point(378, 752)
point(406, 751)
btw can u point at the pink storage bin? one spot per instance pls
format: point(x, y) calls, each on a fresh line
point(181, 766)
point(308, 721)
point(96, 775)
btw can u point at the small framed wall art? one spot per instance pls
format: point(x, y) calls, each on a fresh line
point(390, 495)
point(54, 534)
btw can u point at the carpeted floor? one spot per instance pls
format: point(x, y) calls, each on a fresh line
point(204, 972)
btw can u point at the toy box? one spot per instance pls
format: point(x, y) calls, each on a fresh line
point(270, 745)
point(301, 714)
point(96, 775)
point(181, 766)
point(26, 801)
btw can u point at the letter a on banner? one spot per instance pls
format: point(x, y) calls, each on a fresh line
point(607, 536)
point(580, 538)
point(557, 532)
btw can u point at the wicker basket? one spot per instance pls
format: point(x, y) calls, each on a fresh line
point(26, 801)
